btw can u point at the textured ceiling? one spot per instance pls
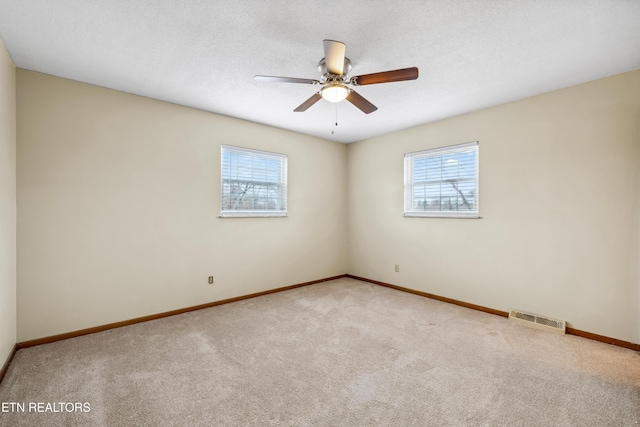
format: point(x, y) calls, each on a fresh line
point(204, 54)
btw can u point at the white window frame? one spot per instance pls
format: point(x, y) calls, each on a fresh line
point(251, 181)
point(409, 185)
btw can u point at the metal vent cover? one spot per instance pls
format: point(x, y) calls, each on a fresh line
point(538, 322)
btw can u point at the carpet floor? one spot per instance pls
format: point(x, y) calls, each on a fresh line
point(338, 353)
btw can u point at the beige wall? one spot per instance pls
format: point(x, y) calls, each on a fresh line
point(118, 201)
point(119, 197)
point(636, 253)
point(7, 204)
point(559, 203)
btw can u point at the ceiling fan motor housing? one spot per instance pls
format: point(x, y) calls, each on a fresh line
point(322, 67)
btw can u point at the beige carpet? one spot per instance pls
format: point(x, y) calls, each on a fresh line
point(339, 353)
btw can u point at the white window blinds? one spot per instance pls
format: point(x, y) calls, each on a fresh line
point(254, 183)
point(442, 182)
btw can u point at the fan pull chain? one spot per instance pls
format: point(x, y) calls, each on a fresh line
point(336, 123)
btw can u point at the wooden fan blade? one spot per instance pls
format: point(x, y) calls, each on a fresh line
point(356, 99)
point(308, 103)
point(334, 56)
point(386, 77)
point(276, 79)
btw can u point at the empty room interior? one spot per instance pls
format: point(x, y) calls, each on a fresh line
point(342, 213)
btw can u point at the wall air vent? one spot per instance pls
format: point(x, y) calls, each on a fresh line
point(538, 322)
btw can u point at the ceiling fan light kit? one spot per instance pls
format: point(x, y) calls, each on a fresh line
point(335, 69)
point(335, 92)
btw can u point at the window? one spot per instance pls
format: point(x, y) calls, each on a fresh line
point(442, 182)
point(254, 183)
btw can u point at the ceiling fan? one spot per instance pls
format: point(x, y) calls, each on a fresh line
point(335, 68)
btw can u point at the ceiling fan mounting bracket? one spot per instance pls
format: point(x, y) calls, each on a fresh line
point(322, 67)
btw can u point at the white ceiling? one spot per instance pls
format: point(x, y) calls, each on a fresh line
point(204, 54)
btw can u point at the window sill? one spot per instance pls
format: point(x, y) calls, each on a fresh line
point(253, 215)
point(415, 215)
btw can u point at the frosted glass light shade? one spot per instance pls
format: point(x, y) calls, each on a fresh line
point(334, 93)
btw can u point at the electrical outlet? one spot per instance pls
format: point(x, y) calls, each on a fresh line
point(211, 280)
point(397, 268)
